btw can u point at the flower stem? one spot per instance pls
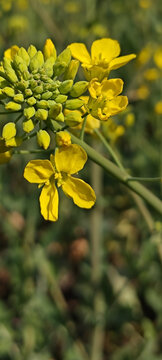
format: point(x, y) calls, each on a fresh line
point(109, 148)
point(83, 128)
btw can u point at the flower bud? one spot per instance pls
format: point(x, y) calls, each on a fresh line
point(65, 86)
point(8, 91)
point(42, 104)
point(74, 104)
point(47, 95)
point(36, 61)
point(28, 92)
point(63, 138)
point(55, 110)
point(62, 62)
point(73, 118)
point(31, 101)
point(38, 89)
point(29, 112)
point(9, 131)
point(43, 139)
point(79, 88)
point(60, 117)
point(11, 105)
point(24, 55)
point(32, 51)
point(41, 114)
point(72, 69)
point(28, 125)
point(48, 66)
point(61, 99)
point(49, 49)
point(19, 98)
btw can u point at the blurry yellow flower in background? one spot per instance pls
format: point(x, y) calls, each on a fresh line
point(112, 131)
point(103, 58)
point(142, 92)
point(144, 55)
point(158, 57)
point(151, 74)
point(158, 108)
point(66, 162)
point(145, 4)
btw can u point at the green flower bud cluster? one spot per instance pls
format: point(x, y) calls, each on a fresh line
point(40, 85)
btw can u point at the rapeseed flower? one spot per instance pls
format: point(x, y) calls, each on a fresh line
point(66, 162)
point(104, 100)
point(104, 57)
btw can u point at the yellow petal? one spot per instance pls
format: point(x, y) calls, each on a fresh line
point(105, 48)
point(71, 159)
point(121, 61)
point(49, 202)
point(80, 52)
point(49, 49)
point(111, 88)
point(117, 105)
point(81, 193)
point(38, 171)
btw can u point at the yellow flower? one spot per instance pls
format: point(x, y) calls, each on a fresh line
point(66, 162)
point(158, 108)
point(158, 57)
point(63, 138)
point(104, 101)
point(103, 58)
point(151, 74)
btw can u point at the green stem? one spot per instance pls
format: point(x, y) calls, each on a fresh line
point(144, 179)
point(10, 112)
point(83, 128)
point(34, 151)
point(109, 148)
point(18, 118)
point(114, 170)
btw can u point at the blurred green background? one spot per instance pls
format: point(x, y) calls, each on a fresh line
point(89, 286)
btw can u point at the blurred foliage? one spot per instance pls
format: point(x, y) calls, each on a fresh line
point(47, 293)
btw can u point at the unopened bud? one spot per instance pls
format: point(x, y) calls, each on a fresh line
point(72, 69)
point(29, 112)
point(19, 98)
point(31, 101)
point(65, 86)
point(73, 118)
point(61, 99)
point(79, 88)
point(74, 104)
point(28, 126)
point(55, 110)
point(8, 91)
point(41, 114)
point(9, 131)
point(43, 139)
point(49, 49)
point(62, 62)
point(63, 138)
point(12, 106)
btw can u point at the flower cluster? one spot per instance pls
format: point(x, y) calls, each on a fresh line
point(40, 87)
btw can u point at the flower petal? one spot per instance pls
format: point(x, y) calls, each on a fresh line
point(70, 160)
point(38, 171)
point(116, 105)
point(80, 52)
point(105, 48)
point(121, 61)
point(81, 193)
point(111, 88)
point(49, 202)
